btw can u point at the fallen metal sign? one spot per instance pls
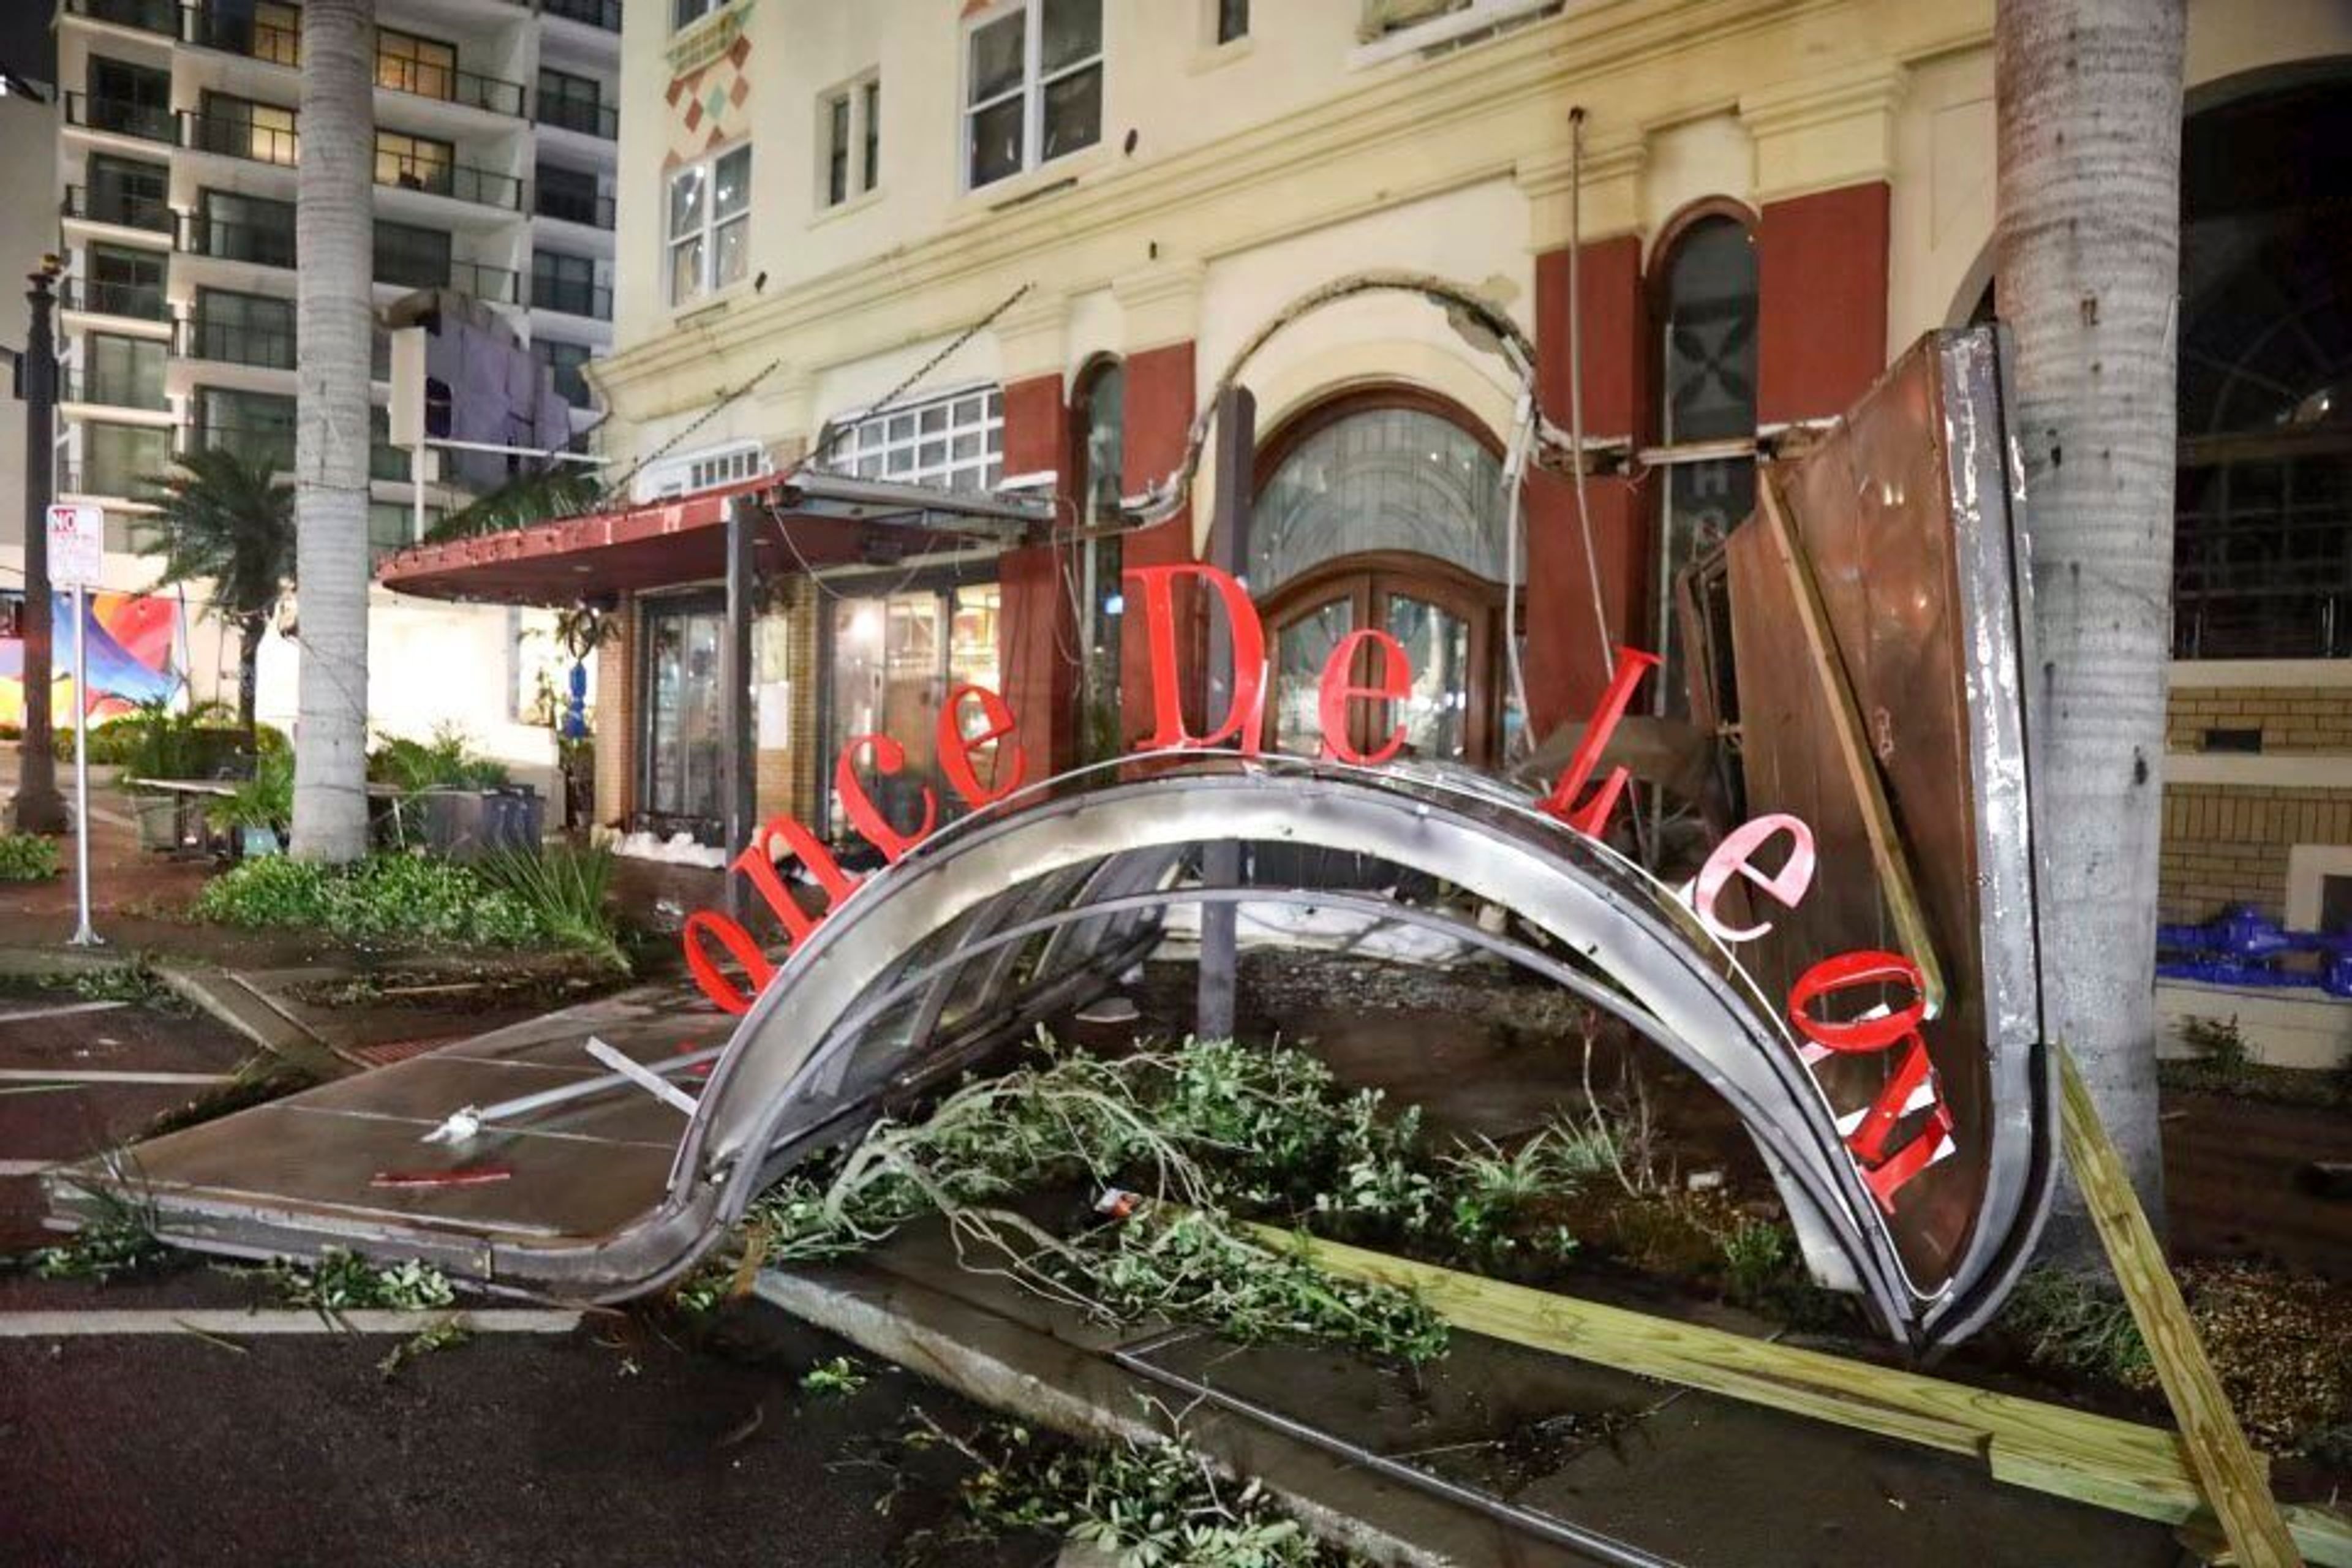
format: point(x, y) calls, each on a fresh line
point(1867, 1010)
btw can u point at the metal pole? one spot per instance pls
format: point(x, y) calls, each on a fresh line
point(417, 503)
point(39, 808)
point(83, 935)
point(736, 757)
point(1220, 862)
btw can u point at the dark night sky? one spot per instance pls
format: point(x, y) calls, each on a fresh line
point(25, 39)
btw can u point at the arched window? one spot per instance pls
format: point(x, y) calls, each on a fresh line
point(1098, 436)
point(1703, 300)
point(1385, 510)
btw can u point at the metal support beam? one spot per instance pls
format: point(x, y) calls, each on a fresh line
point(1220, 862)
point(737, 761)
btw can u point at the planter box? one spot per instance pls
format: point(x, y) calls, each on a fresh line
point(171, 824)
point(465, 824)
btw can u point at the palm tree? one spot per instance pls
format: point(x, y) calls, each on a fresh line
point(335, 231)
point(537, 496)
point(2088, 258)
point(228, 521)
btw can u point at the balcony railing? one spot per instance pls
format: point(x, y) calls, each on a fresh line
point(429, 79)
point(571, 297)
point(118, 207)
point(586, 116)
point(251, 37)
point(149, 15)
point(148, 121)
point(568, 206)
point(604, 14)
point(80, 383)
point(234, 343)
point(436, 176)
point(498, 285)
point(98, 297)
point(263, 245)
point(239, 136)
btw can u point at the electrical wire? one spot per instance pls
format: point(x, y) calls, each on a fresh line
point(1576, 385)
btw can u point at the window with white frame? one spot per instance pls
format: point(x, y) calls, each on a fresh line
point(955, 441)
point(686, 13)
point(1033, 85)
point(849, 133)
point(709, 227)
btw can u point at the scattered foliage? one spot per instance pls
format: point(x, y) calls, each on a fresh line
point(258, 1081)
point(840, 1376)
point(2219, 1046)
point(443, 1333)
point(119, 1238)
point(1143, 1504)
point(343, 1281)
point(28, 858)
point(136, 983)
point(384, 898)
point(2073, 1322)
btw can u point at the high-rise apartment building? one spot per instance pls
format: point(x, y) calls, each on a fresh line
point(496, 128)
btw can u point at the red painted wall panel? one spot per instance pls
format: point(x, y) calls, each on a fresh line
point(1160, 406)
point(1821, 282)
point(1563, 663)
point(1033, 623)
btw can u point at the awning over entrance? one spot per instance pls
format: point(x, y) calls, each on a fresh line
point(816, 519)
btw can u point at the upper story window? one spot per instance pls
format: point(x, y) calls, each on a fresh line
point(1034, 84)
point(406, 63)
point(1232, 20)
point(688, 472)
point(850, 131)
point(956, 440)
point(683, 13)
point(710, 230)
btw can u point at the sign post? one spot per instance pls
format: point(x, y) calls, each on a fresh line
point(77, 538)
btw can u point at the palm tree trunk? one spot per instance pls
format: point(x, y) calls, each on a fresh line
point(334, 230)
point(2088, 267)
point(251, 632)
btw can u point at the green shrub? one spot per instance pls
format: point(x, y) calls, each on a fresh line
point(568, 891)
point(28, 858)
point(385, 897)
point(2219, 1044)
point(264, 800)
point(156, 741)
point(444, 761)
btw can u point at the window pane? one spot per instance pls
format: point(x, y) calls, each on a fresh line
point(1710, 336)
point(1437, 649)
point(684, 203)
point(1301, 651)
point(734, 252)
point(996, 56)
point(1073, 32)
point(685, 271)
point(1232, 20)
point(734, 190)
point(996, 143)
point(836, 151)
point(1385, 478)
point(873, 134)
point(1074, 112)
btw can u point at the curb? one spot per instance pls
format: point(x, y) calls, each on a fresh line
point(1055, 1384)
point(222, 995)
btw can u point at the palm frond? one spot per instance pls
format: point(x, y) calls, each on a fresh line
point(522, 501)
point(225, 520)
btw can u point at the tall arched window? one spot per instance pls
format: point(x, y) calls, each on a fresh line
point(1098, 436)
point(1703, 300)
point(1384, 509)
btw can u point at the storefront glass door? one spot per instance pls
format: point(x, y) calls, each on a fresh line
point(683, 734)
point(895, 657)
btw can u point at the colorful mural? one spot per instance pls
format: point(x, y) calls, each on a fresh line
point(134, 656)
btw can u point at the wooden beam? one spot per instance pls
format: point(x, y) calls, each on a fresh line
point(2233, 1478)
point(2145, 1471)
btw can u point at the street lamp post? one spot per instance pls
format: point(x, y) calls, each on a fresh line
point(39, 807)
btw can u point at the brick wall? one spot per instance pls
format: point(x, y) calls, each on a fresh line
point(2228, 844)
point(2292, 720)
point(787, 777)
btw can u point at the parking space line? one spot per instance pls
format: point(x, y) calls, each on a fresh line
point(101, 1075)
point(60, 1011)
point(53, 1323)
point(24, 1167)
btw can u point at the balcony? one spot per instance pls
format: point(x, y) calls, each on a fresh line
point(569, 206)
point(386, 462)
point(434, 177)
point(147, 15)
point(148, 121)
point(248, 35)
point(604, 14)
point(497, 285)
point(586, 116)
point(427, 78)
point(269, 443)
point(97, 297)
point(571, 297)
point(262, 245)
point(117, 207)
point(234, 343)
point(239, 136)
point(80, 383)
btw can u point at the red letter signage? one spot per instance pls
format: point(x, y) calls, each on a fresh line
point(956, 748)
point(1154, 584)
point(1391, 683)
point(1561, 802)
point(863, 813)
point(1912, 1086)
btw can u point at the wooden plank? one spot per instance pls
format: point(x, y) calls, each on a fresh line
point(2130, 1468)
point(2225, 1462)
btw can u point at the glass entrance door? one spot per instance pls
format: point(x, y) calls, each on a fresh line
point(683, 732)
point(895, 657)
point(1457, 708)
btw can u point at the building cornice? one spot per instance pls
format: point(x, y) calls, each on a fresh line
point(1604, 195)
point(940, 282)
point(1160, 303)
point(1823, 131)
